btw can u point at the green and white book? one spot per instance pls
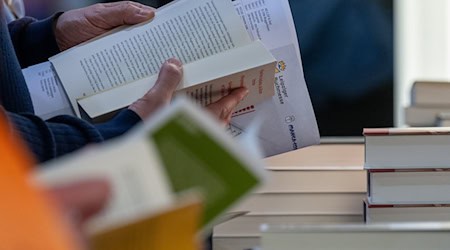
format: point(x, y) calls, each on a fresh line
point(180, 149)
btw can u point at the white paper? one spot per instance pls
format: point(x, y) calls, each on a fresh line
point(289, 121)
point(46, 91)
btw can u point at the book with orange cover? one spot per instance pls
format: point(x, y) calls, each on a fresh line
point(174, 228)
point(28, 219)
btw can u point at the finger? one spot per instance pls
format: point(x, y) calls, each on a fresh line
point(223, 108)
point(121, 2)
point(124, 13)
point(82, 199)
point(161, 93)
point(168, 80)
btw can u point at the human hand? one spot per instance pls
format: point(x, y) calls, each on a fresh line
point(162, 92)
point(223, 108)
point(78, 202)
point(76, 26)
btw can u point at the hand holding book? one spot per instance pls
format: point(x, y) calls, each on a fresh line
point(77, 26)
point(162, 92)
point(79, 201)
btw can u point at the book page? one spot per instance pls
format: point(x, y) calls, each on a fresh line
point(205, 81)
point(187, 30)
point(289, 121)
point(46, 91)
point(132, 168)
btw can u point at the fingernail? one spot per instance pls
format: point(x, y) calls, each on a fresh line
point(245, 94)
point(148, 12)
point(175, 62)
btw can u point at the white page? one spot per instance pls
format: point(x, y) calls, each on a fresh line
point(187, 30)
point(46, 91)
point(250, 65)
point(132, 168)
point(289, 121)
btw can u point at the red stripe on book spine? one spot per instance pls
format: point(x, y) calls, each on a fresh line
point(409, 170)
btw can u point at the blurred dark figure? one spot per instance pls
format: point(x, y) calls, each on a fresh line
point(347, 52)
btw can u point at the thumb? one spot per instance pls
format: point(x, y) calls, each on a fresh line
point(82, 199)
point(161, 93)
point(169, 77)
point(124, 13)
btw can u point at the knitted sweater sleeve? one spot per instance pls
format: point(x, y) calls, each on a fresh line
point(65, 134)
point(34, 41)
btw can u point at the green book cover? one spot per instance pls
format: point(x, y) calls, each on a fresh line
point(195, 159)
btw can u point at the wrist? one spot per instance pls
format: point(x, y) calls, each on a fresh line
point(57, 31)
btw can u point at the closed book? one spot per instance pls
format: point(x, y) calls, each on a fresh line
point(419, 116)
point(427, 186)
point(407, 148)
point(406, 213)
point(443, 119)
point(431, 93)
point(315, 181)
point(320, 157)
point(249, 225)
point(236, 243)
point(357, 236)
point(308, 203)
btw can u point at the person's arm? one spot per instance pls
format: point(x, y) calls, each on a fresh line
point(65, 134)
point(34, 41)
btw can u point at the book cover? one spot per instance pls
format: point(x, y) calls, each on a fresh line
point(181, 221)
point(29, 218)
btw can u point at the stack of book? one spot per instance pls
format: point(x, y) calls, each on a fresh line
point(430, 104)
point(408, 174)
point(386, 236)
point(323, 184)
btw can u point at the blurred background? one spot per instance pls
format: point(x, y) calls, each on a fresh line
point(348, 50)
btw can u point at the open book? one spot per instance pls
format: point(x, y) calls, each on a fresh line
point(152, 166)
point(288, 120)
point(208, 36)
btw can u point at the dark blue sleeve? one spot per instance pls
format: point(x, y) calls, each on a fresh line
point(34, 41)
point(65, 134)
